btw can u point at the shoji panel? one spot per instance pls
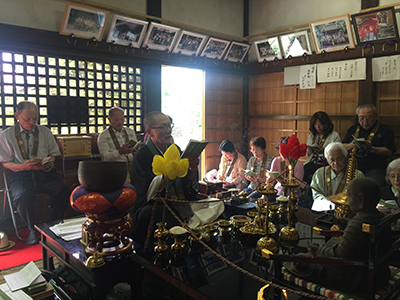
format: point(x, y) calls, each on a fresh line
point(223, 114)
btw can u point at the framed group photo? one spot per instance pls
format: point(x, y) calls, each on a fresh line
point(215, 48)
point(268, 49)
point(295, 44)
point(189, 43)
point(375, 25)
point(84, 22)
point(127, 31)
point(237, 52)
point(332, 34)
point(160, 37)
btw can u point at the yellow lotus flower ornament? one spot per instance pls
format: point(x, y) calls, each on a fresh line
point(171, 164)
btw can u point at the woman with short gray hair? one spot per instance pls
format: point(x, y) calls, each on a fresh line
point(331, 180)
point(391, 191)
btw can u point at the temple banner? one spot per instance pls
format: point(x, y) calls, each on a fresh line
point(346, 70)
point(308, 76)
point(386, 68)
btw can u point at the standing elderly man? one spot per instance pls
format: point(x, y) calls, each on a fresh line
point(331, 180)
point(379, 143)
point(113, 142)
point(22, 150)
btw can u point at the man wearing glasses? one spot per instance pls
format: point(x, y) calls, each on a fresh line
point(159, 129)
point(377, 146)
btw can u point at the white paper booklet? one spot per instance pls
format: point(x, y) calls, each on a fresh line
point(23, 278)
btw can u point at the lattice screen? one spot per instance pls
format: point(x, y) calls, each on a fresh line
point(102, 85)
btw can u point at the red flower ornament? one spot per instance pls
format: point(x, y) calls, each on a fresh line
point(293, 150)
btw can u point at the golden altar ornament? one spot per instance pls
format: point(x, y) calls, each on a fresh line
point(266, 242)
point(288, 235)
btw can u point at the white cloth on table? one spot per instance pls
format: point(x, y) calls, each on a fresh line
point(204, 212)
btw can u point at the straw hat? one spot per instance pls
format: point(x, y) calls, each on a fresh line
point(5, 243)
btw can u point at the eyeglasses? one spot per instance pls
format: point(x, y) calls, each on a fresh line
point(336, 160)
point(164, 127)
point(394, 176)
point(367, 117)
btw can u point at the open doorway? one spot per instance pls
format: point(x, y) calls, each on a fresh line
point(182, 99)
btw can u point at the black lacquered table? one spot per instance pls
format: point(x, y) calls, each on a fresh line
point(100, 280)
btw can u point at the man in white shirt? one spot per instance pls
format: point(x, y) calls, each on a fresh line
point(331, 180)
point(22, 150)
point(113, 142)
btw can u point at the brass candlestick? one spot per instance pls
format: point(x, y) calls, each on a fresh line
point(289, 236)
point(267, 242)
point(162, 249)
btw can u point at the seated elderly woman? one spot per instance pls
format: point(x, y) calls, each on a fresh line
point(331, 180)
point(258, 165)
point(391, 192)
point(280, 164)
point(231, 166)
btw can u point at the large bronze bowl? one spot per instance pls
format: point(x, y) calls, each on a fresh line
point(102, 176)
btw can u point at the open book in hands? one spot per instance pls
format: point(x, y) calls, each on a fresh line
point(249, 172)
point(43, 161)
point(194, 148)
point(136, 145)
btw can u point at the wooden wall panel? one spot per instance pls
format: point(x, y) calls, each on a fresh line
point(223, 114)
point(276, 110)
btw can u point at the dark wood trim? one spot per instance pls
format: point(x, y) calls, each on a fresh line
point(154, 8)
point(367, 87)
point(298, 117)
point(369, 3)
point(257, 68)
point(246, 17)
point(245, 112)
point(30, 40)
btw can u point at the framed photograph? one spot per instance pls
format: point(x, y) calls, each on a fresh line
point(211, 263)
point(332, 34)
point(215, 48)
point(375, 25)
point(189, 43)
point(126, 31)
point(268, 49)
point(237, 52)
point(160, 37)
point(295, 44)
point(83, 21)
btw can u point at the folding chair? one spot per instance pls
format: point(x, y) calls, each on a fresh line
point(13, 212)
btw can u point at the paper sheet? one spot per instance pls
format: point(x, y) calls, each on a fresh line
point(23, 278)
point(6, 293)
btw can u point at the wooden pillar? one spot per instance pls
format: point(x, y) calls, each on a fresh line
point(365, 4)
point(154, 8)
point(367, 88)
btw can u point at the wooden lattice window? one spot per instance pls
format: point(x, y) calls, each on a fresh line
point(98, 85)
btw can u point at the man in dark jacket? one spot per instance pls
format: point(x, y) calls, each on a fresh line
point(363, 196)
